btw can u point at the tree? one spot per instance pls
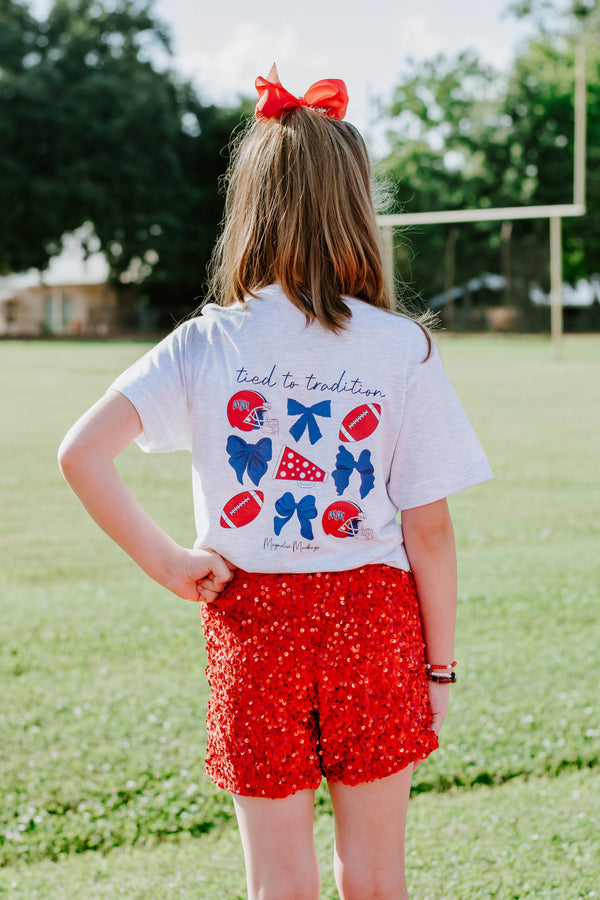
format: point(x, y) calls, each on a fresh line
point(539, 101)
point(445, 117)
point(93, 130)
point(465, 137)
point(552, 19)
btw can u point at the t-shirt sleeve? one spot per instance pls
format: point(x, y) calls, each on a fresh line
point(157, 386)
point(437, 452)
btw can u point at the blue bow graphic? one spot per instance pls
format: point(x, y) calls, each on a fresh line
point(254, 457)
point(345, 465)
point(307, 418)
point(286, 506)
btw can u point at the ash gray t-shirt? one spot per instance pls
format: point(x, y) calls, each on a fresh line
point(305, 444)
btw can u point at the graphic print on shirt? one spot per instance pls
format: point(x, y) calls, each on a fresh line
point(360, 422)
point(344, 519)
point(250, 411)
point(242, 509)
point(247, 410)
point(307, 418)
point(345, 464)
point(253, 458)
point(305, 510)
point(292, 466)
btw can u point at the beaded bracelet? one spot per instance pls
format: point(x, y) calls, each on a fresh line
point(449, 666)
point(449, 678)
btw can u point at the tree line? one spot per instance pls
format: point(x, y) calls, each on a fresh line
point(94, 129)
point(96, 126)
point(462, 136)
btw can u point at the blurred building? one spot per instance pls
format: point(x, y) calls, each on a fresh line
point(57, 309)
point(72, 297)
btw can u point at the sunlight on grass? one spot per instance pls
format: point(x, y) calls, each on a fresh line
point(104, 689)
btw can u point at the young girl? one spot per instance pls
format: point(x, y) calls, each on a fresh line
point(313, 414)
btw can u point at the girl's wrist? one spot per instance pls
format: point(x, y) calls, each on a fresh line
point(165, 566)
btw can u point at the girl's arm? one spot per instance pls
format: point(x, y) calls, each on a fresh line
point(429, 542)
point(86, 459)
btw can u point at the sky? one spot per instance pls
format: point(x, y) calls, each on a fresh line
point(223, 46)
point(365, 43)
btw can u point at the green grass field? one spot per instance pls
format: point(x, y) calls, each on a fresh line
point(102, 792)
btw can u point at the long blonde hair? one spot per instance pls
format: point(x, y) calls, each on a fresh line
point(299, 212)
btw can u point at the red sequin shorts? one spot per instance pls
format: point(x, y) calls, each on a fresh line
point(315, 675)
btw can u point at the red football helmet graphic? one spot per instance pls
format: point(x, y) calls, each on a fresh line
point(246, 410)
point(345, 519)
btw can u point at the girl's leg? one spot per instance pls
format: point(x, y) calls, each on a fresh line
point(370, 820)
point(279, 849)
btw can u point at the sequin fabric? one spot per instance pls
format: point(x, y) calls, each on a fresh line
point(314, 675)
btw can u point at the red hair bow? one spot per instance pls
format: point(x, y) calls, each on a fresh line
point(329, 94)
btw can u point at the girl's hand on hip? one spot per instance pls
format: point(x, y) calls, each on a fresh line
point(199, 575)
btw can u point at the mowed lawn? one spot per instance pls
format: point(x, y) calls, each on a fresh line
point(102, 791)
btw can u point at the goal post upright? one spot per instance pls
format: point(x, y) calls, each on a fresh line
point(580, 125)
point(556, 312)
point(387, 247)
